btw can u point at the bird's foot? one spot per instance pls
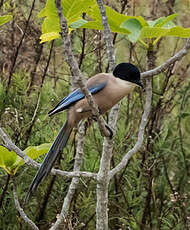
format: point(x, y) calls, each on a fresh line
point(107, 127)
point(110, 131)
point(94, 118)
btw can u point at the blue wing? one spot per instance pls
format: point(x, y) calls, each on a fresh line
point(75, 96)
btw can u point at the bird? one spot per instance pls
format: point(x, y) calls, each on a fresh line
point(107, 90)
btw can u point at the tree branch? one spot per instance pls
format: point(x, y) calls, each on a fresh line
point(139, 142)
point(74, 174)
point(11, 146)
point(19, 47)
point(178, 56)
point(77, 166)
point(102, 176)
point(76, 73)
point(75, 181)
point(21, 211)
point(107, 35)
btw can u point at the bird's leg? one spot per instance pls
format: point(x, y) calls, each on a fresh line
point(110, 131)
point(107, 127)
point(94, 117)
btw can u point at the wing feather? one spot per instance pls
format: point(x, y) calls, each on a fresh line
point(75, 96)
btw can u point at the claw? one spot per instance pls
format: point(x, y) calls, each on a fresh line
point(110, 130)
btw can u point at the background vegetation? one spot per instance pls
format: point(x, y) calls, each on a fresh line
point(153, 190)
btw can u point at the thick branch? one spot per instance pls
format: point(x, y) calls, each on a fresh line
point(10, 145)
point(102, 176)
point(76, 73)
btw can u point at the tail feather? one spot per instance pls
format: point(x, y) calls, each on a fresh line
point(47, 164)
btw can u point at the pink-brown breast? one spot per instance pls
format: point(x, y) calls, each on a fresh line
point(106, 98)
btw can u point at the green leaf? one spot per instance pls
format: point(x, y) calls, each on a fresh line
point(4, 19)
point(72, 10)
point(51, 25)
point(34, 152)
point(163, 21)
point(49, 36)
point(10, 161)
point(134, 26)
point(114, 20)
point(158, 32)
point(49, 10)
point(96, 25)
point(183, 115)
point(161, 27)
point(167, 21)
point(179, 31)
point(155, 22)
point(168, 25)
point(78, 24)
point(153, 32)
point(7, 159)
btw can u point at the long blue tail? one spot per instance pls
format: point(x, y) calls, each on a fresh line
point(47, 164)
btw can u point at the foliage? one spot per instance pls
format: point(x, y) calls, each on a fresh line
point(136, 27)
point(4, 19)
point(72, 11)
point(10, 162)
point(152, 192)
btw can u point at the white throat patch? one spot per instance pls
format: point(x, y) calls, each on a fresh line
point(125, 84)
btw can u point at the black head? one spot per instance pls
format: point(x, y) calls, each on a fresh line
point(128, 72)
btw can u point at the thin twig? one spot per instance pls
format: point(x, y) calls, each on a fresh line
point(144, 120)
point(29, 130)
point(39, 50)
point(4, 190)
point(178, 56)
point(140, 139)
point(82, 55)
point(11, 146)
point(19, 46)
point(47, 64)
point(74, 174)
point(21, 211)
